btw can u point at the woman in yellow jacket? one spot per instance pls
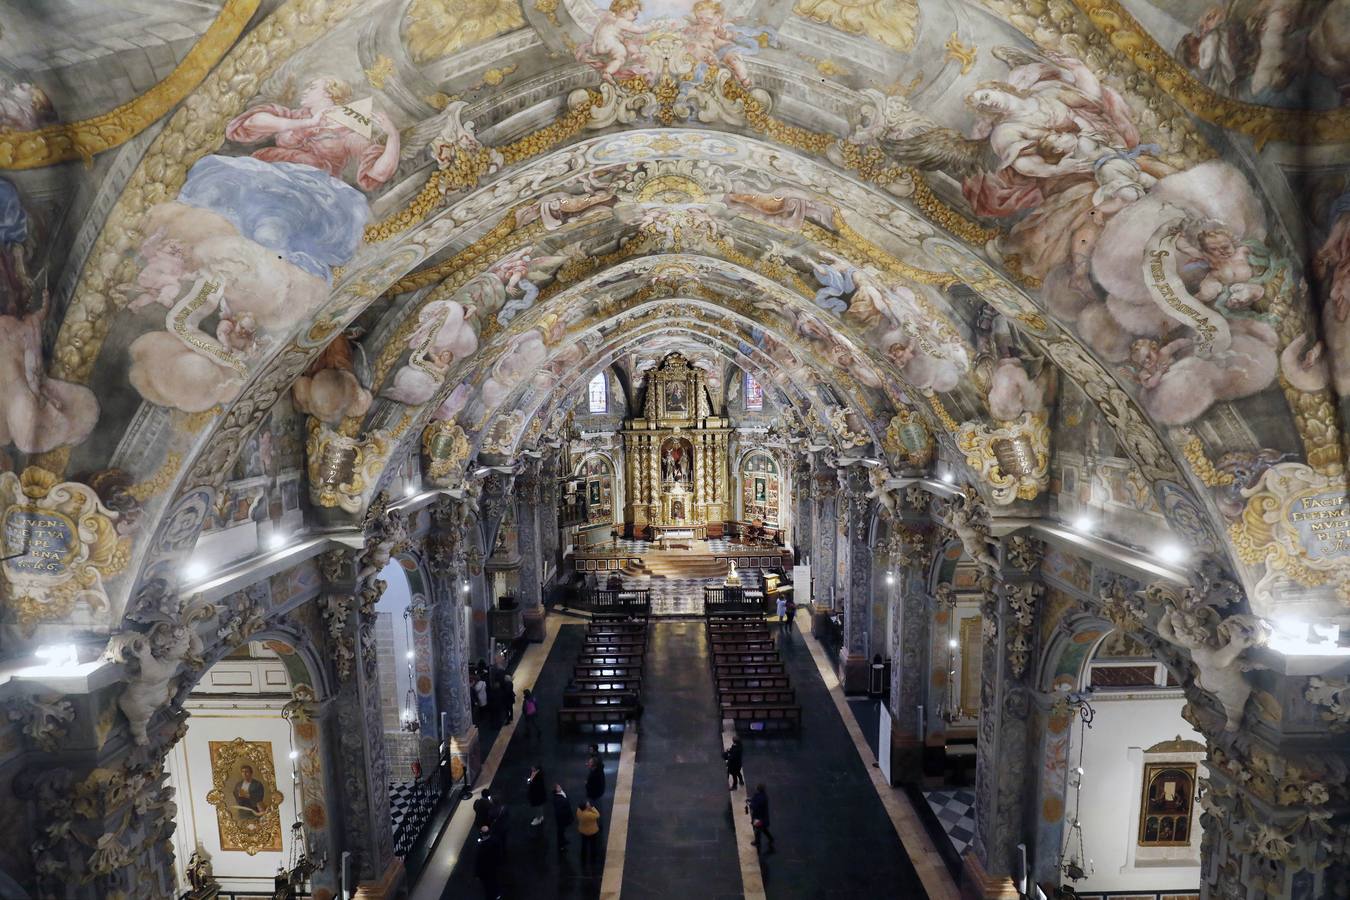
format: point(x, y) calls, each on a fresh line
point(588, 826)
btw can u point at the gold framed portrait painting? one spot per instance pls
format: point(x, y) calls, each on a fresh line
point(1167, 804)
point(244, 793)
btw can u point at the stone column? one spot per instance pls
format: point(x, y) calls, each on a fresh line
point(446, 561)
point(548, 517)
point(1004, 770)
point(909, 550)
point(529, 493)
point(801, 518)
point(826, 484)
point(351, 591)
point(315, 730)
point(853, 577)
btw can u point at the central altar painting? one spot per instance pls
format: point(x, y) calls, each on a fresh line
point(676, 457)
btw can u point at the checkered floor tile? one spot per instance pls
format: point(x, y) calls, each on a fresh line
point(955, 809)
point(410, 806)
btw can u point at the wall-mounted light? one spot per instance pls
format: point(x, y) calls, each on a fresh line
point(277, 540)
point(1084, 523)
point(410, 490)
point(951, 642)
point(195, 571)
point(466, 587)
point(58, 656)
point(890, 579)
point(1172, 552)
point(294, 754)
point(948, 478)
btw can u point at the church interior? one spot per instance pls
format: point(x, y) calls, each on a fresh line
point(554, 448)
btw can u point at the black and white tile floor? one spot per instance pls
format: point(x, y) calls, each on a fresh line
point(410, 807)
point(955, 809)
point(683, 596)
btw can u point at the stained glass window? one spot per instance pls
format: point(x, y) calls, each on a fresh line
point(754, 394)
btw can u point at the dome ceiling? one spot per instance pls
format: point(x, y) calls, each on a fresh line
point(429, 215)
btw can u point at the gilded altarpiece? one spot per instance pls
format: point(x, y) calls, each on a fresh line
point(676, 457)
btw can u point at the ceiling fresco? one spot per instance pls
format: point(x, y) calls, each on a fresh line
point(364, 225)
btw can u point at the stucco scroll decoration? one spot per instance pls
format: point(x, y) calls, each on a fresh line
point(46, 719)
point(446, 449)
point(1024, 553)
point(1013, 458)
point(154, 661)
point(1124, 610)
point(1333, 696)
point(1191, 621)
point(337, 610)
point(908, 440)
point(342, 469)
point(60, 542)
point(1022, 607)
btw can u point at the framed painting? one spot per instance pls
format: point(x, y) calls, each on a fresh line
point(1166, 809)
point(245, 795)
point(677, 397)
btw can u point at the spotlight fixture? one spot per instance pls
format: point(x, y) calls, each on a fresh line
point(410, 490)
point(277, 540)
point(948, 478)
point(1083, 523)
point(58, 656)
point(195, 571)
point(1172, 552)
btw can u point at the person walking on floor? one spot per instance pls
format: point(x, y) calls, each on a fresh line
point(509, 698)
point(588, 826)
point(734, 755)
point(782, 613)
point(487, 862)
point(482, 810)
point(562, 815)
point(759, 815)
point(536, 794)
point(529, 714)
point(480, 700)
point(595, 779)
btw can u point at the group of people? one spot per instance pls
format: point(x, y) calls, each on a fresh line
point(493, 695)
point(757, 804)
point(492, 817)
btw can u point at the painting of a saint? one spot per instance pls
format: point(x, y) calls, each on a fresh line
point(761, 493)
point(677, 398)
point(1165, 811)
point(244, 793)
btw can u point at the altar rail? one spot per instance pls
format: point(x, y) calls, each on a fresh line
point(601, 601)
point(720, 600)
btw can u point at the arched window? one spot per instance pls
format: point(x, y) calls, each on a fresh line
point(754, 394)
point(598, 394)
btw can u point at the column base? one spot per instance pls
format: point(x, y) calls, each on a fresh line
point(533, 620)
point(977, 884)
point(906, 758)
point(386, 888)
point(854, 674)
point(471, 749)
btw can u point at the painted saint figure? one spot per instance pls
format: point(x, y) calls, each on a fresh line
point(248, 794)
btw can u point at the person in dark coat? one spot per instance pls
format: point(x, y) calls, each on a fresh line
point(595, 780)
point(482, 810)
point(487, 862)
point(759, 815)
point(562, 815)
point(536, 793)
point(734, 756)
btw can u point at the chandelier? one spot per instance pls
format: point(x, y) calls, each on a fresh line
point(1073, 860)
point(409, 720)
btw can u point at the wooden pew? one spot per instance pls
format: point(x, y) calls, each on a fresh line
point(765, 719)
point(759, 697)
point(743, 658)
point(731, 645)
point(582, 699)
point(753, 683)
point(748, 670)
point(737, 627)
point(584, 670)
point(610, 659)
point(617, 628)
point(593, 718)
point(632, 685)
point(636, 643)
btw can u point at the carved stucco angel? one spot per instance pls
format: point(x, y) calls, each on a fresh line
point(966, 518)
point(1216, 647)
point(154, 659)
point(885, 497)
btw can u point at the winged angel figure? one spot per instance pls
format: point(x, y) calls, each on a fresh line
point(1050, 141)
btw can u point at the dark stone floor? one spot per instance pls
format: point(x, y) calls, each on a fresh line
point(681, 838)
point(834, 838)
point(534, 870)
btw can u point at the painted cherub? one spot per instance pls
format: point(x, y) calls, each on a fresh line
point(1232, 282)
point(1152, 360)
point(710, 41)
point(165, 268)
point(237, 331)
point(612, 41)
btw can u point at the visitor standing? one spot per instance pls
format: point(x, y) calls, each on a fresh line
point(759, 815)
point(529, 713)
point(482, 810)
point(588, 826)
point(480, 700)
point(562, 815)
point(734, 755)
point(488, 861)
point(782, 612)
point(509, 698)
point(536, 794)
point(595, 779)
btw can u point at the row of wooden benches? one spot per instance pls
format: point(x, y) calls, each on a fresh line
point(753, 688)
point(605, 691)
